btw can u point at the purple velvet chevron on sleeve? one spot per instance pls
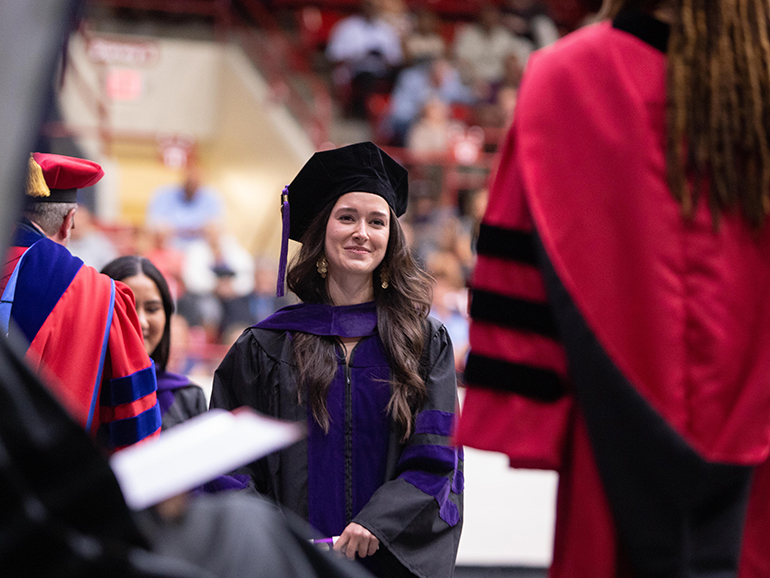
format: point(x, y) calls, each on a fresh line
point(433, 421)
point(434, 470)
point(226, 483)
point(438, 487)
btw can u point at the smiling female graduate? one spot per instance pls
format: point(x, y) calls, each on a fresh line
point(362, 363)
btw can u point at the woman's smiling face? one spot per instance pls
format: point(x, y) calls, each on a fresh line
point(149, 307)
point(357, 234)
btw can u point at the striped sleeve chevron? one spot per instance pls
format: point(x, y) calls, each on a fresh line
point(515, 346)
point(129, 411)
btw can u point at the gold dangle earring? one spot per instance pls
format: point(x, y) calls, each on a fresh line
point(384, 278)
point(323, 266)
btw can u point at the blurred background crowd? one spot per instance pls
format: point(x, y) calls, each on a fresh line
point(201, 111)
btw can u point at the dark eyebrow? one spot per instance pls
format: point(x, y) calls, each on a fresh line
point(343, 208)
point(354, 210)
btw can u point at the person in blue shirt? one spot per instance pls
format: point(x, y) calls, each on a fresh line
point(418, 84)
point(185, 209)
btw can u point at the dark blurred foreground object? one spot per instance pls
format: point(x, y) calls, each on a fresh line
point(61, 511)
point(234, 534)
point(31, 39)
point(75, 523)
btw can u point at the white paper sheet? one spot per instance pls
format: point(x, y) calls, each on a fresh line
point(197, 451)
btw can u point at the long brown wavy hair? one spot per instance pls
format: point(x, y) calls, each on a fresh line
point(718, 109)
point(402, 310)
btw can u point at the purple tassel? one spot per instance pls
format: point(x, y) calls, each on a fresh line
point(279, 290)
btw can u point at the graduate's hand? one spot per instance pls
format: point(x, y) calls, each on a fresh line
point(173, 509)
point(356, 539)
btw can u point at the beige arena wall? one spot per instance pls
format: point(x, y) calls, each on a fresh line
point(248, 147)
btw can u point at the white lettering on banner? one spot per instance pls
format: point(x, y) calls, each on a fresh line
point(119, 52)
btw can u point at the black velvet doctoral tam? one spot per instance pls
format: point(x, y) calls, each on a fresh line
point(327, 175)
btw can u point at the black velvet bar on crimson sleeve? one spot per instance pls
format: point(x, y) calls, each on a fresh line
point(508, 244)
point(527, 380)
point(513, 313)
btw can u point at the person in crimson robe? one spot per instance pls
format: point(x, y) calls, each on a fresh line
point(363, 365)
point(81, 327)
point(620, 331)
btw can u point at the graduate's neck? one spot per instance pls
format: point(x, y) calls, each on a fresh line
point(350, 290)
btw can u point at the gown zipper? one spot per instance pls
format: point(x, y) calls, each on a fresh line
point(348, 432)
point(348, 446)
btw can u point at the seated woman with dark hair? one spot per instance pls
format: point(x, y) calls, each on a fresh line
point(178, 397)
point(364, 366)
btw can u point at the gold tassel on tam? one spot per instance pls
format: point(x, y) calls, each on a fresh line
point(36, 186)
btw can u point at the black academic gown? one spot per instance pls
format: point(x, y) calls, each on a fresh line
point(179, 399)
point(416, 509)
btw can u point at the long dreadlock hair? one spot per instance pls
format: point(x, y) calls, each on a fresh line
point(718, 104)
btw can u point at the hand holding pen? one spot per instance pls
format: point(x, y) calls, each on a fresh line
point(354, 540)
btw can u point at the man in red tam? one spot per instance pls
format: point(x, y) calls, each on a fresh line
point(81, 327)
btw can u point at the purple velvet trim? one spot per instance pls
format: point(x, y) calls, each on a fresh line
point(433, 421)
point(229, 483)
point(167, 383)
point(327, 484)
point(165, 400)
point(458, 482)
point(279, 289)
point(443, 456)
point(226, 483)
point(319, 319)
point(326, 464)
point(449, 513)
point(432, 484)
point(438, 487)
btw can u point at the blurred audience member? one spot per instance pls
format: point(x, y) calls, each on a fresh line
point(396, 13)
point(474, 203)
point(432, 134)
point(424, 43)
point(415, 86)
point(366, 51)
point(481, 47)
point(89, 242)
point(512, 71)
point(218, 275)
point(263, 302)
point(450, 301)
point(179, 399)
point(529, 19)
point(497, 110)
point(436, 227)
point(185, 209)
point(424, 198)
point(156, 246)
point(181, 358)
point(506, 101)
